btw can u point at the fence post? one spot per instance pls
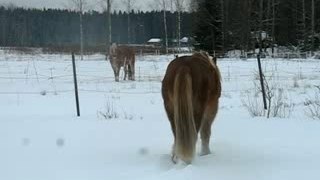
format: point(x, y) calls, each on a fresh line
point(262, 83)
point(75, 84)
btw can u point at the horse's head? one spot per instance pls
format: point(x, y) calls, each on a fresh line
point(112, 49)
point(205, 55)
point(212, 58)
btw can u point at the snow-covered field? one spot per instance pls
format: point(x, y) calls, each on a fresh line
point(123, 132)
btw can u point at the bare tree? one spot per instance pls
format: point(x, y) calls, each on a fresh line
point(107, 5)
point(163, 6)
point(79, 6)
point(260, 25)
point(129, 7)
point(273, 24)
point(179, 4)
point(304, 22)
point(223, 26)
point(194, 4)
point(171, 5)
point(312, 26)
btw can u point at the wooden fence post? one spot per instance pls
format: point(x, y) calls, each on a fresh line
point(262, 82)
point(75, 84)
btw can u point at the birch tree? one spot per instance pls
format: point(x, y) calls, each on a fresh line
point(273, 25)
point(107, 5)
point(129, 7)
point(163, 6)
point(179, 5)
point(79, 6)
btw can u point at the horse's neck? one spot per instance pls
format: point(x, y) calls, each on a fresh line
point(204, 57)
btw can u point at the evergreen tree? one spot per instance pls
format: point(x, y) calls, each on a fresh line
point(208, 26)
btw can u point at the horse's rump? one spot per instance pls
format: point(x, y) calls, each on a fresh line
point(190, 89)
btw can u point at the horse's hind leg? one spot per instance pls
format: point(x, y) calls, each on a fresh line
point(129, 72)
point(132, 68)
point(205, 131)
point(125, 68)
point(169, 110)
point(174, 157)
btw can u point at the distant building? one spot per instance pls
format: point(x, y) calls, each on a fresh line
point(185, 42)
point(154, 41)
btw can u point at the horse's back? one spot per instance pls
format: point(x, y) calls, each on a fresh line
point(204, 75)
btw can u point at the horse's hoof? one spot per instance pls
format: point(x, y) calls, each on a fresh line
point(174, 159)
point(204, 153)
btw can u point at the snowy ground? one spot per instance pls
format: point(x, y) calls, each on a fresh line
point(42, 139)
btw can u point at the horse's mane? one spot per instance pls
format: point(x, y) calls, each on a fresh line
point(203, 55)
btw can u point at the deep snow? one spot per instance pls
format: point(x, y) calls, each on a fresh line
point(42, 139)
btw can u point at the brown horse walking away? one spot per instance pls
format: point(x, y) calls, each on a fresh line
point(122, 56)
point(191, 90)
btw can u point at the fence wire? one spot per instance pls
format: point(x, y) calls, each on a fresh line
point(52, 72)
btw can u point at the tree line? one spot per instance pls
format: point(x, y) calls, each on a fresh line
point(215, 25)
point(55, 27)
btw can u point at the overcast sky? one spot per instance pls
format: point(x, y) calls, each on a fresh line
point(93, 4)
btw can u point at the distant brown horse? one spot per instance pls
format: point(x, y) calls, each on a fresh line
point(122, 56)
point(191, 90)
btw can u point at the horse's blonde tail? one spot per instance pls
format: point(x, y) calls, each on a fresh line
point(185, 130)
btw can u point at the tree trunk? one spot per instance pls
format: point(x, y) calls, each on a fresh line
point(109, 35)
point(171, 6)
point(260, 26)
point(129, 4)
point(247, 28)
point(3, 26)
point(223, 29)
point(129, 37)
point(81, 34)
point(312, 27)
point(179, 30)
point(273, 25)
point(268, 10)
point(165, 29)
point(304, 22)
point(268, 17)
